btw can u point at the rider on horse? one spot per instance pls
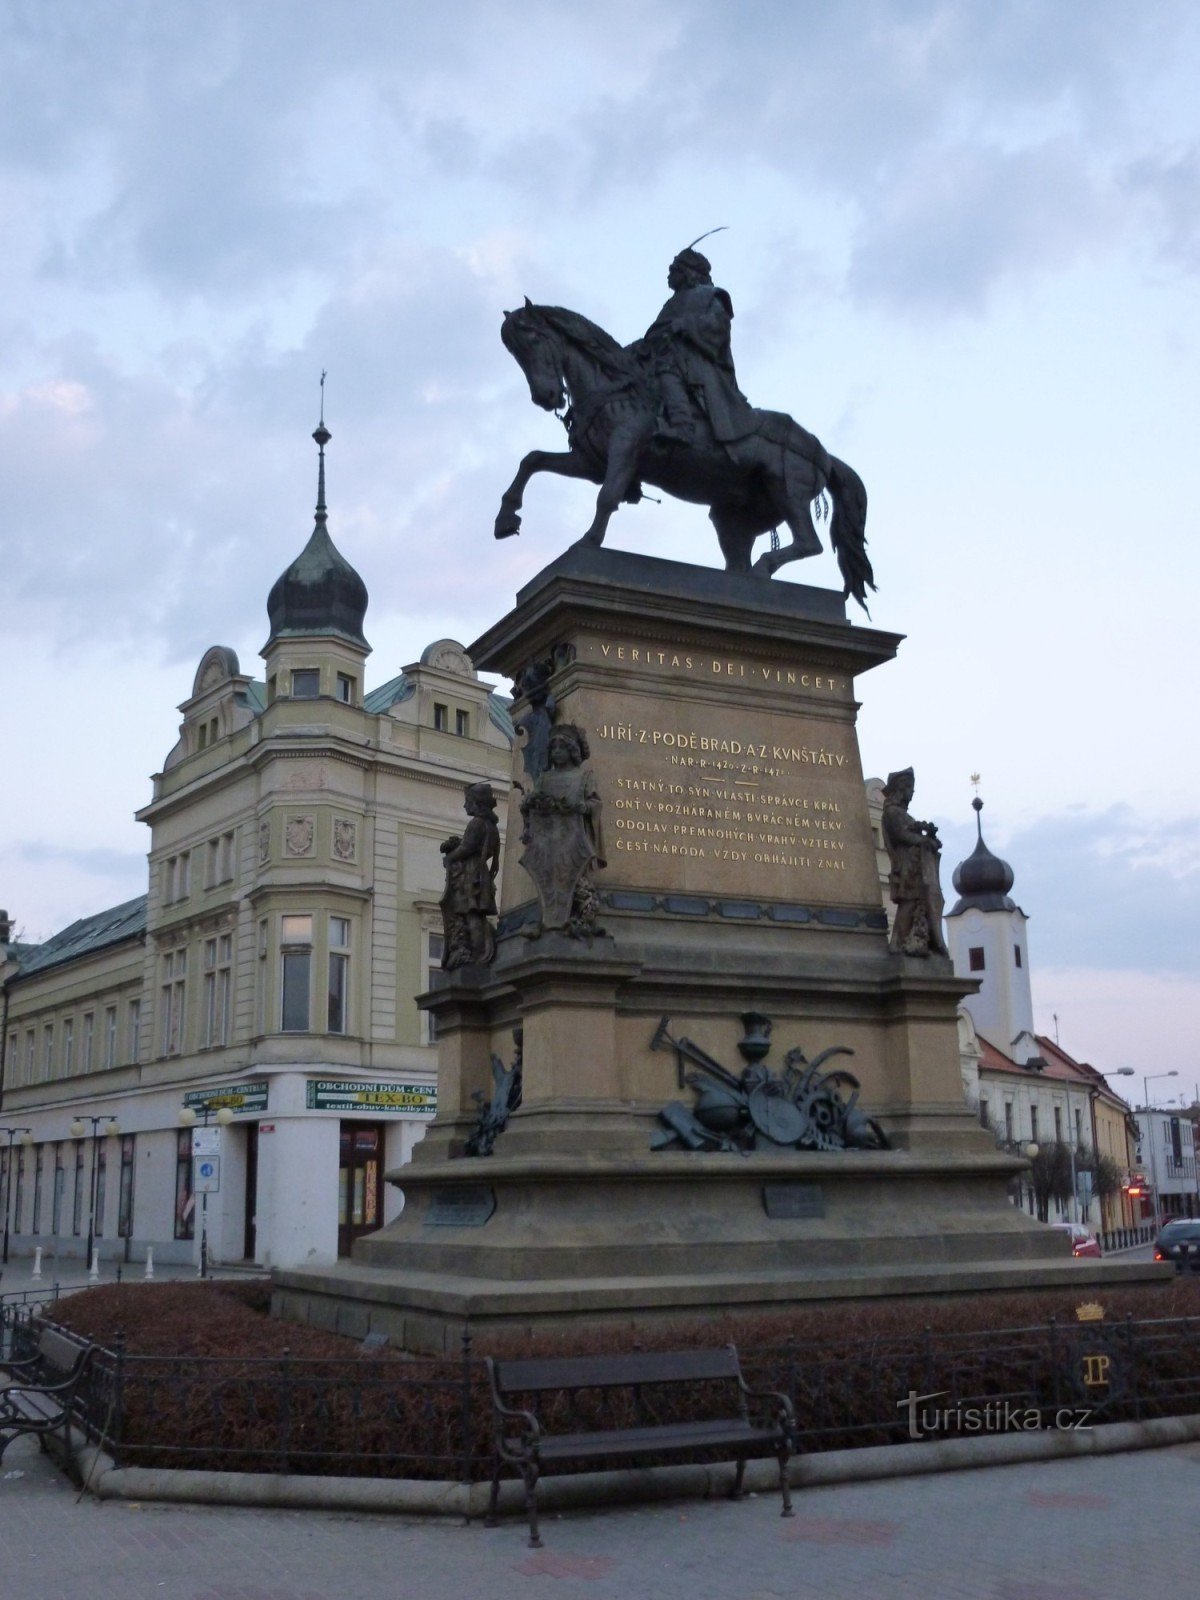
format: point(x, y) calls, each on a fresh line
point(686, 351)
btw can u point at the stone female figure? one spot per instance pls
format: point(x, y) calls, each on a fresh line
point(914, 851)
point(469, 899)
point(563, 837)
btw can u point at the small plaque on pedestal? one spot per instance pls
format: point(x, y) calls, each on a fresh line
point(469, 1206)
point(786, 1201)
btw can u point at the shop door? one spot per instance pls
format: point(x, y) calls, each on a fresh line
point(250, 1237)
point(360, 1182)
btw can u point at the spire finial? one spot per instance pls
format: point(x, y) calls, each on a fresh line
point(322, 435)
point(977, 806)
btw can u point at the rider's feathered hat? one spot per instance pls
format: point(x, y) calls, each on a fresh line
point(691, 258)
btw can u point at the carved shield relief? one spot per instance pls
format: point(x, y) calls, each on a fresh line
point(558, 853)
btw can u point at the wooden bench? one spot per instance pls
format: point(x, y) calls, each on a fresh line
point(760, 1423)
point(45, 1397)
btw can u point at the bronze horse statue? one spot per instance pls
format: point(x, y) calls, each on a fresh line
point(607, 400)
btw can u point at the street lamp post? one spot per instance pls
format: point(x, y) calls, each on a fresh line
point(1146, 1082)
point(26, 1137)
point(188, 1118)
point(77, 1131)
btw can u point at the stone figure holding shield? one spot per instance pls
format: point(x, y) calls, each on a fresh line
point(563, 837)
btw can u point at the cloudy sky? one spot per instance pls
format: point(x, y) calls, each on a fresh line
point(963, 247)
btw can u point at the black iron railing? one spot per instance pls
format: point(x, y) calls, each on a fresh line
point(383, 1416)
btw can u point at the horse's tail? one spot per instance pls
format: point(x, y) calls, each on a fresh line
point(848, 530)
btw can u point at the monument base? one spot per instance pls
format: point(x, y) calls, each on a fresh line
point(732, 909)
point(547, 1244)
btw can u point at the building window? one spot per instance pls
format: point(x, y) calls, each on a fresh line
point(89, 1033)
point(462, 723)
point(174, 998)
point(1008, 1121)
point(19, 1193)
point(100, 1160)
point(1078, 1126)
point(306, 683)
point(975, 957)
point(110, 1036)
point(1017, 954)
point(339, 972)
point(125, 1199)
point(434, 947)
point(983, 1114)
point(296, 966)
point(68, 1047)
point(218, 954)
point(80, 1183)
point(60, 1186)
point(226, 858)
point(30, 1054)
point(441, 717)
point(345, 688)
point(1033, 1123)
point(38, 1166)
point(134, 1029)
point(183, 876)
point(185, 1198)
point(47, 1049)
point(212, 866)
point(1058, 1124)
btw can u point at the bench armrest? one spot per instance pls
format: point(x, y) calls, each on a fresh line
point(779, 1402)
point(529, 1424)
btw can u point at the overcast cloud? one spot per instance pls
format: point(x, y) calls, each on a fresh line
point(963, 247)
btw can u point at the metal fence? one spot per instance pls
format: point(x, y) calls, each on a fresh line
point(387, 1416)
point(1127, 1238)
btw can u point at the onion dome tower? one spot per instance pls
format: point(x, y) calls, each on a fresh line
point(985, 932)
point(316, 608)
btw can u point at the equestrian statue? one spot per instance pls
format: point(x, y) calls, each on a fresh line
point(667, 411)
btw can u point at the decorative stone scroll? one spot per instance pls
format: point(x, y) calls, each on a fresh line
point(801, 1108)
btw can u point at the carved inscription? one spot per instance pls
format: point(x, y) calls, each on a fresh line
point(727, 790)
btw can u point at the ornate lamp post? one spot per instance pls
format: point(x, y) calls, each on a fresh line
point(26, 1137)
point(77, 1130)
point(188, 1118)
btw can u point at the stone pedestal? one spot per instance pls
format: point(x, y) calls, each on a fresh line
point(741, 876)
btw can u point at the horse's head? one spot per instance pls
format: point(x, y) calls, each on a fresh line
point(538, 351)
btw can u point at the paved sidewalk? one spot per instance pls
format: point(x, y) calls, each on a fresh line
point(1102, 1528)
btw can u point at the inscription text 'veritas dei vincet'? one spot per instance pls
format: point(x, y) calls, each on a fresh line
point(719, 667)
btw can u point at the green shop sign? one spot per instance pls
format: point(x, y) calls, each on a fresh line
point(237, 1096)
point(348, 1094)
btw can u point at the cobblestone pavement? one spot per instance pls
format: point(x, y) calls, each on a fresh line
point(1090, 1529)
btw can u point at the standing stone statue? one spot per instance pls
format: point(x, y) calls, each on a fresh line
point(914, 851)
point(469, 900)
point(534, 683)
point(563, 839)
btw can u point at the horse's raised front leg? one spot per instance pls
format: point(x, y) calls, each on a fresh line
point(626, 443)
point(563, 462)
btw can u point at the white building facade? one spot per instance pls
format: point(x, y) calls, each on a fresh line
point(291, 917)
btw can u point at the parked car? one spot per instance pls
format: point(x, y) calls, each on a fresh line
point(1179, 1241)
point(1083, 1243)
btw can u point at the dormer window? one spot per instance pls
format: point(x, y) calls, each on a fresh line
point(441, 717)
point(462, 724)
point(306, 683)
point(345, 688)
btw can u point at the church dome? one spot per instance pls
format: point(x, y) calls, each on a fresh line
point(320, 592)
point(983, 881)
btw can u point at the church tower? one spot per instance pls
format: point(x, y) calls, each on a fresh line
point(985, 932)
